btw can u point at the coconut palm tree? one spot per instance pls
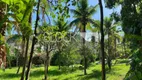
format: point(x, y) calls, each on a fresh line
point(61, 26)
point(110, 26)
point(82, 16)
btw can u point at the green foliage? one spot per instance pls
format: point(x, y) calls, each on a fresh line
point(94, 73)
point(112, 3)
point(83, 14)
point(85, 50)
point(1, 40)
point(14, 38)
point(19, 11)
point(38, 60)
point(135, 71)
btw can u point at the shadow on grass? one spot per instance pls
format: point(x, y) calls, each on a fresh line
point(36, 73)
point(9, 76)
point(95, 74)
point(50, 73)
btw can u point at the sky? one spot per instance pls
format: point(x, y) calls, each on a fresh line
point(96, 16)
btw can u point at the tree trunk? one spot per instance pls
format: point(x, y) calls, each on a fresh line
point(59, 60)
point(18, 70)
point(46, 66)
point(84, 53)
point(115, 45)
point(102, 41)
point(25, 60)
point(99, 50)
point(22, 53)
point(109, 51)
point(124, 44)
point(33, 43)
point(26, 54)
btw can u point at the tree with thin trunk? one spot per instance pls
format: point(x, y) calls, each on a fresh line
point(28, 33)
point(83, 15)
point(102, 40)
point(47, 44)
point(33, 42)
point(110, 25)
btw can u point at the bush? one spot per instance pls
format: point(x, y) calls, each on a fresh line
point(37, 60)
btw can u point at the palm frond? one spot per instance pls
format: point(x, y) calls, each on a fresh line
point(66, 27)
point(84, 4)
point(95, 23)
point(76, 21)
point(75, 12)
point(118, 36)
point(14, 38)
point(108, 22)
point(92, 10)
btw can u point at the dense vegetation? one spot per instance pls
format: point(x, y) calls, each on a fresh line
point(61, 40)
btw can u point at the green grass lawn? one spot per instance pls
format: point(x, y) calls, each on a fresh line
point(94, 73)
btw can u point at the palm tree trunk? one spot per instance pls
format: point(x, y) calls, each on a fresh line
point(102, 41)
point(25, 60)
point(33, 43)
point(109, 51)
point(99, 49)
point(59, 60)
point(124, 45)
point(84, 53)
point(115, 44)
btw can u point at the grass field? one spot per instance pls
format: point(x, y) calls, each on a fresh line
point(94, 73)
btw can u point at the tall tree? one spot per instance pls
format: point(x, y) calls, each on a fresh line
point(27, 35)
point(83, 15)
point(61, 27)
point(45, 39)
point(33, 42)
point(102, 40)
point(110, 26)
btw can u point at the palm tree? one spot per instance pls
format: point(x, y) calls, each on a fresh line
point(61, 26)
point(83, 15)
point(110, 26)
point(102, 40)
